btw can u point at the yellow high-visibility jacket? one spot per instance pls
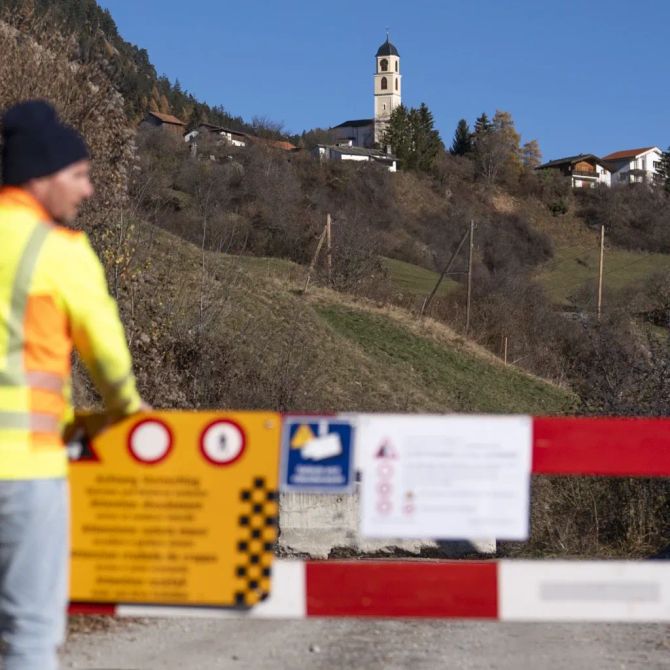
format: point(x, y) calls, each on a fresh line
point(53, 295)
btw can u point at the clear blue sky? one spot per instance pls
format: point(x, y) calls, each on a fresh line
point(577, 76)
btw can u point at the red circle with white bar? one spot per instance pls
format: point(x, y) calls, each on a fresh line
point(222, 442)
point(150, 441)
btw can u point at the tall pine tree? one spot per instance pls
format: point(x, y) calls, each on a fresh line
point(482, 125)
point(413, 138)
point(664, 171)
point(462, 143)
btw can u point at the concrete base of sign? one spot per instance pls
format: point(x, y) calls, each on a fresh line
point(316, 525)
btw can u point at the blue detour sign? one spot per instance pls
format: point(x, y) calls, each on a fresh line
point(317, 455)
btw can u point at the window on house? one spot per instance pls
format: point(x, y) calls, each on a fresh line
point(396, 84)
point(396, 66)
point(384, 65)
point(385, 83)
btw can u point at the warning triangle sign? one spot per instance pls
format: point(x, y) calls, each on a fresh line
point(82, 450)
point(302, 436)
point(386, 450)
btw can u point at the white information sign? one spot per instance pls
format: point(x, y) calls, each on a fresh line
point(444, 477)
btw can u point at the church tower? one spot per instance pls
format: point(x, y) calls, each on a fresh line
point(388, 88)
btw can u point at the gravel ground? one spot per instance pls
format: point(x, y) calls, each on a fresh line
point(207, 644)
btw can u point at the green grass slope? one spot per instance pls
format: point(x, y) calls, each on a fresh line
point(221, 331)
point(576, 266)
point(413, 280)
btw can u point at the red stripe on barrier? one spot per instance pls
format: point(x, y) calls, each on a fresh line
point(408, 589)
point(105, 609)
point(601, 446)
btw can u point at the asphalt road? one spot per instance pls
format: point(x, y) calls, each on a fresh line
point(207, 644)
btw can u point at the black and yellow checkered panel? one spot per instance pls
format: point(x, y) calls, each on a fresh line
point(257, 535)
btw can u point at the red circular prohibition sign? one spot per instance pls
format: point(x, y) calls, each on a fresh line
point(222, 442)
point(150, 441)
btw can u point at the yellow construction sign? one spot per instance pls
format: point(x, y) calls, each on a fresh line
point(176, 508)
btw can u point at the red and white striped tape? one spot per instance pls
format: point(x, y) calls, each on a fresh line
point(502, 590)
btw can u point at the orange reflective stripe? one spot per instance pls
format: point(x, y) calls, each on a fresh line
point(46, 339)
point(46, 402)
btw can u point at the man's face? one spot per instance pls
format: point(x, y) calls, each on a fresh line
point(63, 192)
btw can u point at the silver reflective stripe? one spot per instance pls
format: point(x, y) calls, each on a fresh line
point(35, 421)
point(13, 375)
point(45, 381)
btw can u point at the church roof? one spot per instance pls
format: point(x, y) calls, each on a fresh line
point(387, 49)
point(356, 123)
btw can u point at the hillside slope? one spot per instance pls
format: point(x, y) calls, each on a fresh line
point(223, 331)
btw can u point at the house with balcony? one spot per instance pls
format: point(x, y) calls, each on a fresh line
point(347, 151)
point(223, 135)
point(635, 166)
point(584, 170)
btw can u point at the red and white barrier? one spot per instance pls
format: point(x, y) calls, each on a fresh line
point(499, 590)
point(604, 446)
point(543, 590)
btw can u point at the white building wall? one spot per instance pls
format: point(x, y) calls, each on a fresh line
point(647, 161)
point(604, 175)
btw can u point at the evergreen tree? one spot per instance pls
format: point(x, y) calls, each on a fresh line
point(413, 138)
point(462, 143)
point(427, 141)
point(664, 170)
point(482, 125)
point(398, 134)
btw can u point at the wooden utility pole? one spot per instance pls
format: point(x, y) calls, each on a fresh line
point(315, 257)
point(447, 267)
point(505, 355)
point(329, 249)
point(472, 247)
point(600, 272)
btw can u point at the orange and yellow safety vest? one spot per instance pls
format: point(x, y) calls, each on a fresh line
point(53, 295)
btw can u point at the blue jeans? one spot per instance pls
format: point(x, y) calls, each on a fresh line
point(34, 548)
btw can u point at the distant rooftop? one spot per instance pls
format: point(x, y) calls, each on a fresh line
point(627, 153)
point(359, 151)
point(167, 118)
point(571, 160)
point(356, 123)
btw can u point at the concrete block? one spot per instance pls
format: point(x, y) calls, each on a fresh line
point(316, 525)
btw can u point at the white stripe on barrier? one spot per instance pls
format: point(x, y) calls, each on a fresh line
point(287, 600)
point(584, 591)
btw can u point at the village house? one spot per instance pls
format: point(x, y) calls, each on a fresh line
point(635, 166)
point(346, 151)
point(585, 170)
point(164, 121)
point(224, 135)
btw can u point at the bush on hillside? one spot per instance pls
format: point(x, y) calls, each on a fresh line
point(635, 217)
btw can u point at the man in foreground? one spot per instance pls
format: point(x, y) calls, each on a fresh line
point(53, 295)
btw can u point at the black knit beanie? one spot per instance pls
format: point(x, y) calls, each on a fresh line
point(36, 144)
